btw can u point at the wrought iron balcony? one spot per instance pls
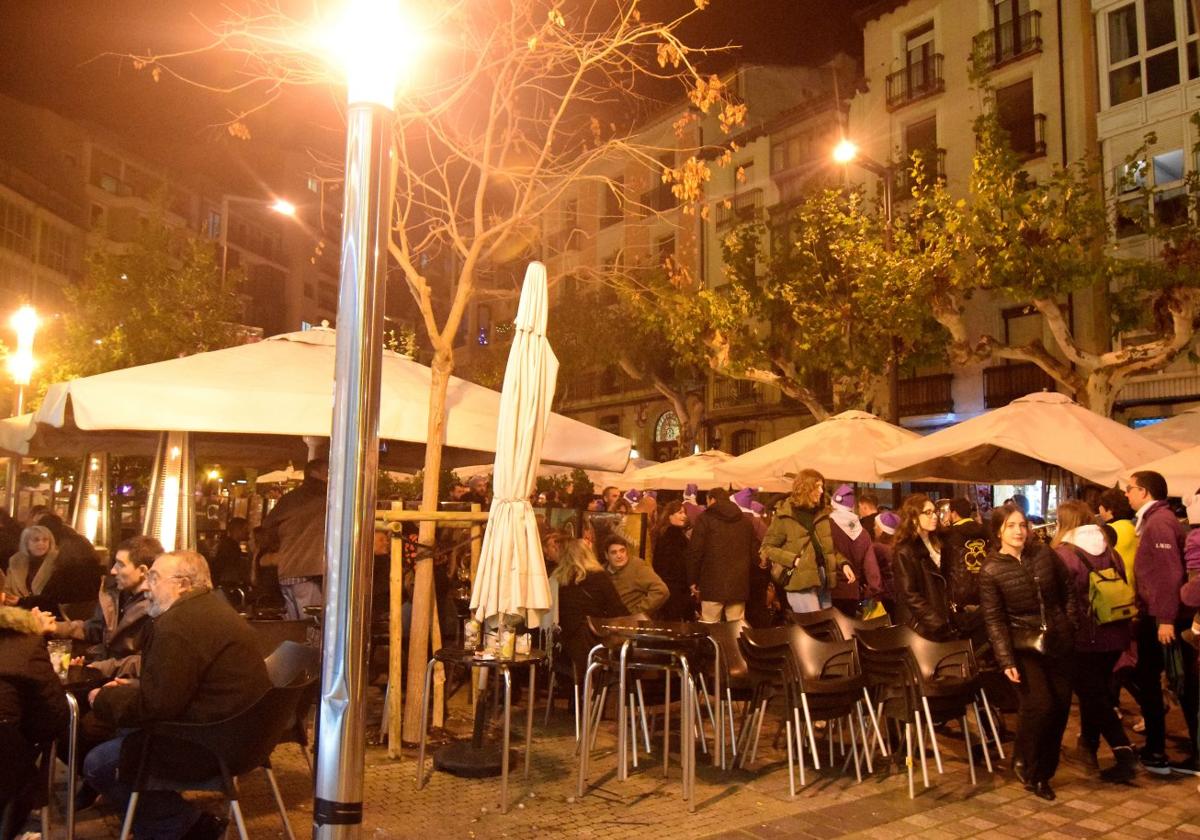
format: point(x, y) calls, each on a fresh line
point(1010, 40)
point(926, 395)
point(1028, 138)
point(916, 81)
point(743, 207)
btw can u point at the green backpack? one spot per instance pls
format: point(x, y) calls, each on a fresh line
point(1112, 598)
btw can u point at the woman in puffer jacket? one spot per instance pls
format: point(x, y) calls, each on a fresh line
point(1080, 544)
point(1022, 581)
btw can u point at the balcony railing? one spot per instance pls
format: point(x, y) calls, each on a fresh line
point(926, 395)
point(728, 393)
point(1028, 138)
point(1005, 383)
point(742, 207)
point(916, 81)
point(1010, 40)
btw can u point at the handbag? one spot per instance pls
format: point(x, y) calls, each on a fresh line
point(1111, 597)
point(1026, 637)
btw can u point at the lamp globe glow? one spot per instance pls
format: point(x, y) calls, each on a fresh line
point(283, 207)
point(845, 152)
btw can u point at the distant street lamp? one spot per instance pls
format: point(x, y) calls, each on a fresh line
point(20, 364)
point(369, 43)
point(846, 152)
point(278, 205)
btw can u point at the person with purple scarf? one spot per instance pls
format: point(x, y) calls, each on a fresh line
point(853, 542)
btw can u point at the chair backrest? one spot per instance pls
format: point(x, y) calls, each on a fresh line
point(848, 627)
point(821, 624)
point(933, 659)
point(819, 659)
point(886, 638)
point(766, 652)
point(242, 742)
point(271, 634)
point(725, 634)
point(292, 661)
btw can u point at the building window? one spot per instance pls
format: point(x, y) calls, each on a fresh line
point(920, 138)
point(743, 441)
point(666, 428)
point(921, 73)
point(1145, 52)
point(610, 423)
point(1026, 130)
point(54, 249)
point(16, 229)
point(1163, 177)
point(660, 197)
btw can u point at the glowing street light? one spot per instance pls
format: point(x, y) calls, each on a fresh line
point(277, 205)
point(845, 151)
point(20, 362)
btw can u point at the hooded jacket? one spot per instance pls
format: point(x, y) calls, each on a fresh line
point(1158, 564)
point(1089, 540)
point(789, 542)
point(722, 549)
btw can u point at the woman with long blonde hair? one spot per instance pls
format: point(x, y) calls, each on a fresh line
point(30, 569)
point(799, 546)
point(585, 590)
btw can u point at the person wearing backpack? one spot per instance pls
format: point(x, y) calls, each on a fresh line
point(1101, 635)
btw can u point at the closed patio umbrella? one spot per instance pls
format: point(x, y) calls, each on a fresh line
point(511, 579)
point(1020, 441)
point(843, 447)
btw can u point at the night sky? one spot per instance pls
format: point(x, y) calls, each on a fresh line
point(53, 53)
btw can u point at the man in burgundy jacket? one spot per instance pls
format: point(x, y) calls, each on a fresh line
point(1158, 575)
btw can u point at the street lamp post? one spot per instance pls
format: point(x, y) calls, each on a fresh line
point(369, 48)
point(20, 365)
point(846, 153)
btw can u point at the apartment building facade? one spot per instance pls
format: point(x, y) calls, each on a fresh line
point(66, 188)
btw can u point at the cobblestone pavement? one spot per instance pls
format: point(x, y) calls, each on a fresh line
point(737, 804)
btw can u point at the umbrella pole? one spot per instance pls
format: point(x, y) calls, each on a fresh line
point(353, 465)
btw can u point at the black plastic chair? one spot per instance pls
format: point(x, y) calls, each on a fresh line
point(891, 686)
point(765, 652)
point(272, 633)
point(288, 664)
point(735, 672)
point(848, 627)
point(821, 624)
point(237, 745)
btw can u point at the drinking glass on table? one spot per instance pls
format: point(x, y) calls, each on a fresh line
point(60, 656)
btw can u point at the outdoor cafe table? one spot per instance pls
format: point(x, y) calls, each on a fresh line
point(473, 659)
point(674, 641)
point(79, 681)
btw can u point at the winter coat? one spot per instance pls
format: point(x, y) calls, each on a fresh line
point(883, 558)
point(1090, 636)
point(721, 552)
point(31, 695)
point(117, 630)
point(1127, 543)
point(1191, 552)
point(641, 590)
point(921, 596)
point(1158, 564)
point(294, 532)
point(33, 705)
point(860, 551)
point(964, 548)
point(1008, 590)
point(201, 664)
point(594, 596)
point(788, 542)
point(670, 564)
point(18, 582)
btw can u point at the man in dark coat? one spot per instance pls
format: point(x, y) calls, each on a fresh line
point(720, 555)
point(1158, 575)
point(964, 550)
point(294, 540)
point(201, 665)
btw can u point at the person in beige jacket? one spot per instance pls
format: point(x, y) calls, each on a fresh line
point(640, 588)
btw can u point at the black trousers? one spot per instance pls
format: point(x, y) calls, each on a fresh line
point(1148, 675)
point(1092, 683)
point(1044, 697)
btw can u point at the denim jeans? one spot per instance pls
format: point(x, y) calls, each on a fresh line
point(809, 600)
point(161, 814)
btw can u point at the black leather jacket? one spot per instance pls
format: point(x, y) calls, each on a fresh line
point(1009, 590)
point(920, 591)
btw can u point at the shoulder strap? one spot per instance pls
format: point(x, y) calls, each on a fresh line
point(1083, 558)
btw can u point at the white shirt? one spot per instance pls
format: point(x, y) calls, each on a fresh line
point(1140, 513)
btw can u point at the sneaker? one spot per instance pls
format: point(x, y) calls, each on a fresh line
point(1155, 763)
point(1189, 766)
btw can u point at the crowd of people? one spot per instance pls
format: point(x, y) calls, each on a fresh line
point(1027, 601)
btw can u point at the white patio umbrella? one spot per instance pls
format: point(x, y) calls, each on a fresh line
point(256, 402)
point(842, 447)
point(599, 478)
point(1019, 442)
point(1180, 469)
point(697, 469)
point(280, 476)
point(1177, 433)
point(511, 580)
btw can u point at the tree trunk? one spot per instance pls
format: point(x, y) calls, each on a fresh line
point(1100, 391)
point(422, 599)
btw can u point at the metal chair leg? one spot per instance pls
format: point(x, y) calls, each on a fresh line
point(920, 725)
point(791, 761)
point(130, 810)
point(909, 762)
point(987, 707)
point(967, 742)
point(642, 708)
point(875, 723)
point(987, 756)
point(237, 819)
point(287, 826)
point(799, 741)
point(812, 738)
point(550, 699)
point(937, 754)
